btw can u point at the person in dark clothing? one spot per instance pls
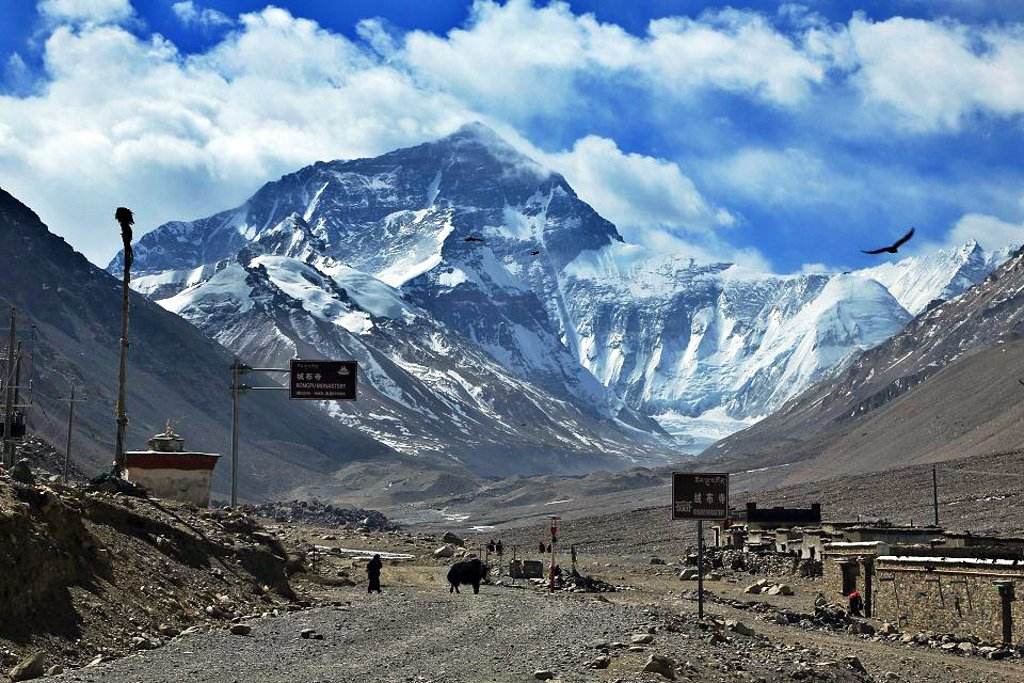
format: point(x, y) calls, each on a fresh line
point(499, 548)
point(373, 574)
point(540, 547)
point(856, 604)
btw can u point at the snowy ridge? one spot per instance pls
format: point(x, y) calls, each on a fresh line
point(463, 254)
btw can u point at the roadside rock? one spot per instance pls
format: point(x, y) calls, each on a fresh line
point(452, 539)
point(241, 629)
point(32, 666)
point(445, 551)
point(543, 674)
point(661, 665)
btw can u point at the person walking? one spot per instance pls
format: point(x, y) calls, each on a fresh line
point(373, 574)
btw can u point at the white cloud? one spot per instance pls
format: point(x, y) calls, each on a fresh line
point(86, 11)
point(527, 59)
point(191, 14)
point(933, 75)
point(989, 231)
point(636, 191)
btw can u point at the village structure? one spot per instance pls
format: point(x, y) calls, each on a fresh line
point(919, 578)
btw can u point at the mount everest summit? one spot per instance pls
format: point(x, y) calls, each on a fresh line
point(544, 342)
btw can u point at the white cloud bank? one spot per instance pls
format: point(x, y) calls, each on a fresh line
point(122, 119)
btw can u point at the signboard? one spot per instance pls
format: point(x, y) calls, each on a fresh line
point(700, 495)
point(323, 380)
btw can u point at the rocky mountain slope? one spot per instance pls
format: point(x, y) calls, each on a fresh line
point(174, 372)
point(469, 239)
point(945, 386)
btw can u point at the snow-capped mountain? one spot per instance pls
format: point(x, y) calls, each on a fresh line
point(464, 256)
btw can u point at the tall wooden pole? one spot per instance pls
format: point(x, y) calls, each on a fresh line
point(126, 220)
point(71, 422)
point(935, 494)
point(8, 449)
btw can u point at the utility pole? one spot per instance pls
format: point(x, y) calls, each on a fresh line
point(124, 217)
point(8, 449)
point(236, 393)
point(700, 569)
point(935, 493)
point(71, 421)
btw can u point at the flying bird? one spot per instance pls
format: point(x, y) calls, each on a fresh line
point(535, 252)
point(473, 238)
point(894, 247)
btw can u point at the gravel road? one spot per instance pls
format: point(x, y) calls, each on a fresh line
point(502, 634)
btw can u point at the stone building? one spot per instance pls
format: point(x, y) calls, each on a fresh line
point(756, 526)
point(167, 470)
point(849, 566)
point(965, 596)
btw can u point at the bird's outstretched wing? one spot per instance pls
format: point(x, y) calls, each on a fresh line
point(874, 251)
point(903, 240)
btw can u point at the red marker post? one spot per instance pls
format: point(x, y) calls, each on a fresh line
point(554, 540)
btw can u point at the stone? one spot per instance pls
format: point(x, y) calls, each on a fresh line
point(241, 629)
point(167, 631)
point(452, 539)
point(602, 662)
point(642, 639)
point(543, 674)
point(55, 670)
point(143, 643)
point(967, 647)
point(688, 574)
point(891, 676)
point(854, 663)
point(21, 472)
point(445, 551)
point(888, 629)
point(32, 666)
point(739, 627)
point(307, 633)
point(657, 560)
point(661, 665)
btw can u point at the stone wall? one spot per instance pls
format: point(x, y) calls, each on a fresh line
point(947, 595)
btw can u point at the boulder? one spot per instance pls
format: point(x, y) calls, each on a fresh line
point(452, 539)
point(657, 560)
point(543, 674)
point(241, 629)
point(688, 574)
point(739, 627)
point(602, 662)
point(661, 665)
point(445, 551)
point(32, 666)
point(642, 639)
point(888, 629)
point(21, 472)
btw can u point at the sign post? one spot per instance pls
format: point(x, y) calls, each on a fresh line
point(554, 540)
point(311, 380)
point(323, 380)
point(700, 496)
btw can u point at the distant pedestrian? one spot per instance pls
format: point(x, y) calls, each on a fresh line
point(490, 546)
point(856, 604)
point(499, 548)
point(373, 574)
point(540, 548)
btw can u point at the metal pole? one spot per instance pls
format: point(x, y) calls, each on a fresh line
point(236, 391)
point(71, 421)
point(700, 569)
point(935, 494)
point(8, 449)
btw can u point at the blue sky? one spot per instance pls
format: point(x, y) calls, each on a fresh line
point(782, 135)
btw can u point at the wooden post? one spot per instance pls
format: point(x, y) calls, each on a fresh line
point(124, 217)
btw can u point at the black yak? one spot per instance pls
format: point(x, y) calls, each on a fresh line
point(467, 572)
